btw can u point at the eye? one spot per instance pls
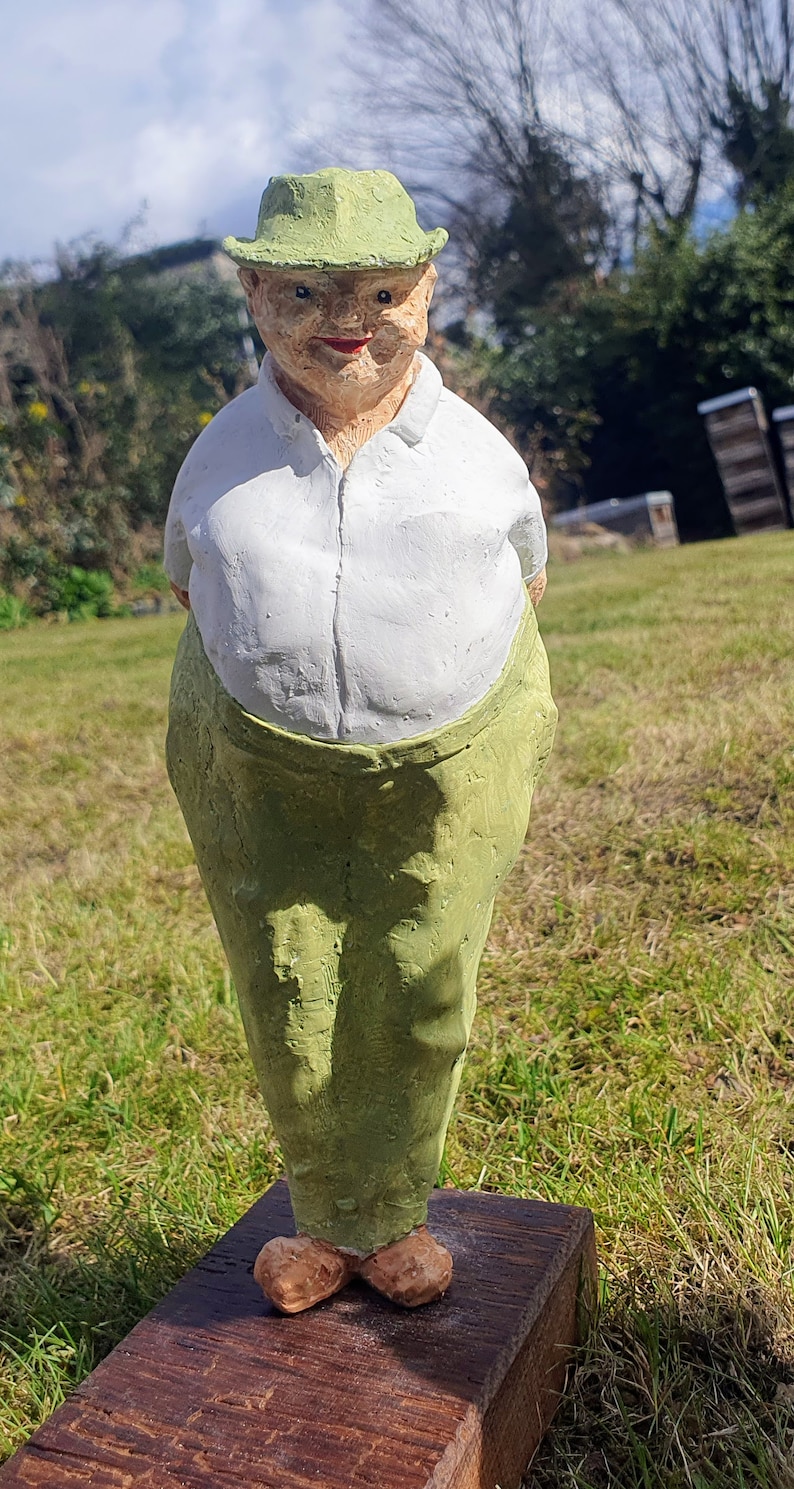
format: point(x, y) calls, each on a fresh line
point(302, 292)
point(384, 297)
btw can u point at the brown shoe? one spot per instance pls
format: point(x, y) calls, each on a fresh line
point(413, 1271)
point(295, 1272)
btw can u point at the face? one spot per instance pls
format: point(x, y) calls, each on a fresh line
point(345, 337)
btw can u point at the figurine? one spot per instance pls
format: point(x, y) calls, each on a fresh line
point(360, 709)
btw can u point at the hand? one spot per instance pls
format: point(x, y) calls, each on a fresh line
point(537, 587)
point(184, 597)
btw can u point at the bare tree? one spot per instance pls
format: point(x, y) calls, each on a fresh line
point(458, 81)
point(657, 103)
point(463, 100)
point(668, 88)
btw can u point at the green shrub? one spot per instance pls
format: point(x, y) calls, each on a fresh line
point(86, 594)
point(149, 579)
point(13, 612)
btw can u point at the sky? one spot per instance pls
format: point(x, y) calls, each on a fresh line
point(166, 114)
point(144, 122)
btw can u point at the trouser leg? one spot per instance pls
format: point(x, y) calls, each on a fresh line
point(419, 913)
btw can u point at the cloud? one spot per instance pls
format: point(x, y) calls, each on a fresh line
point(186, 105)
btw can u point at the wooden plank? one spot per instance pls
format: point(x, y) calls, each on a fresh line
point(752, 509)
point(740, 416)
point(214, 1389)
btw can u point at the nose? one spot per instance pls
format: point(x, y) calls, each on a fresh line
point(346, 312)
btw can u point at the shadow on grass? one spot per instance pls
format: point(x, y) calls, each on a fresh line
point(62, 1309)
point(679, 1391)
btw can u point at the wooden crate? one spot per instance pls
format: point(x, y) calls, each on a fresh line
point(783, 418)
point(738, 433)
point(649, 517)
point(214, 1389)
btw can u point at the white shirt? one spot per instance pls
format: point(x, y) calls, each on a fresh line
point(365, 605)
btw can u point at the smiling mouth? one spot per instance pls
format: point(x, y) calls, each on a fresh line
point(349, 347)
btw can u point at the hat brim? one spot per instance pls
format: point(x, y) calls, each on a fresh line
point(258, 253)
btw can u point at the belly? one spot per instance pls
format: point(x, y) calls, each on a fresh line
point(367, 652)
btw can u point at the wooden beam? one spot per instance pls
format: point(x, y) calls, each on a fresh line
point(214, 1390)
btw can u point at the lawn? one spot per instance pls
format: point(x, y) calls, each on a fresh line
point(634, 1049)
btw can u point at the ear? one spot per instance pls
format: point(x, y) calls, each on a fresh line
point(428, 281)
point(249, 280)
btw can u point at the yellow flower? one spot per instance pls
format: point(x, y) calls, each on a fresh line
point(21, 500)
point(204, 420)
point(38, 411)
point(84, 386)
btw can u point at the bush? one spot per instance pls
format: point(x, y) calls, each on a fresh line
point(86, 594)
point(601, 383)
point(108, 371)
point(149, 579)
point(13, 612)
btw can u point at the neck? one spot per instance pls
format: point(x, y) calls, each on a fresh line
point(345, 429)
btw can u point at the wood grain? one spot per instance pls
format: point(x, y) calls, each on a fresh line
point(214, 1389)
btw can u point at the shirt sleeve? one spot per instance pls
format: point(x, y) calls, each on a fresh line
point(528, 536)
point(177, 560)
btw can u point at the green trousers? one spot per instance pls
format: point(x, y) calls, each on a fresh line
point(353, 888)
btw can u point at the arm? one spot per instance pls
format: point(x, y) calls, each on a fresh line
point(535, 586)
point(184, 598)
point(177, 559)
point(528, 537)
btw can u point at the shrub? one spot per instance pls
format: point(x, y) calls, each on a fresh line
point(150, 578)
point(86, 594)
point(13, 612)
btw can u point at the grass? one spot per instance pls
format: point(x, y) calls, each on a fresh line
point(634, 1049)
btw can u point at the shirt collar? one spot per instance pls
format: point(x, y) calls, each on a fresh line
point(410, 422)
point(412, 419)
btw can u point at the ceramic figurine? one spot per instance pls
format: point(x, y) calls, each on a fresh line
point(360, 710)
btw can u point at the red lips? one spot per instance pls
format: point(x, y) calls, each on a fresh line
point(342, 344)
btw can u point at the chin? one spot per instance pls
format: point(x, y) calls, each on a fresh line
point(315, 372)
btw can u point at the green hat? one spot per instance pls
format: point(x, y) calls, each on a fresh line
point(336, 219)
